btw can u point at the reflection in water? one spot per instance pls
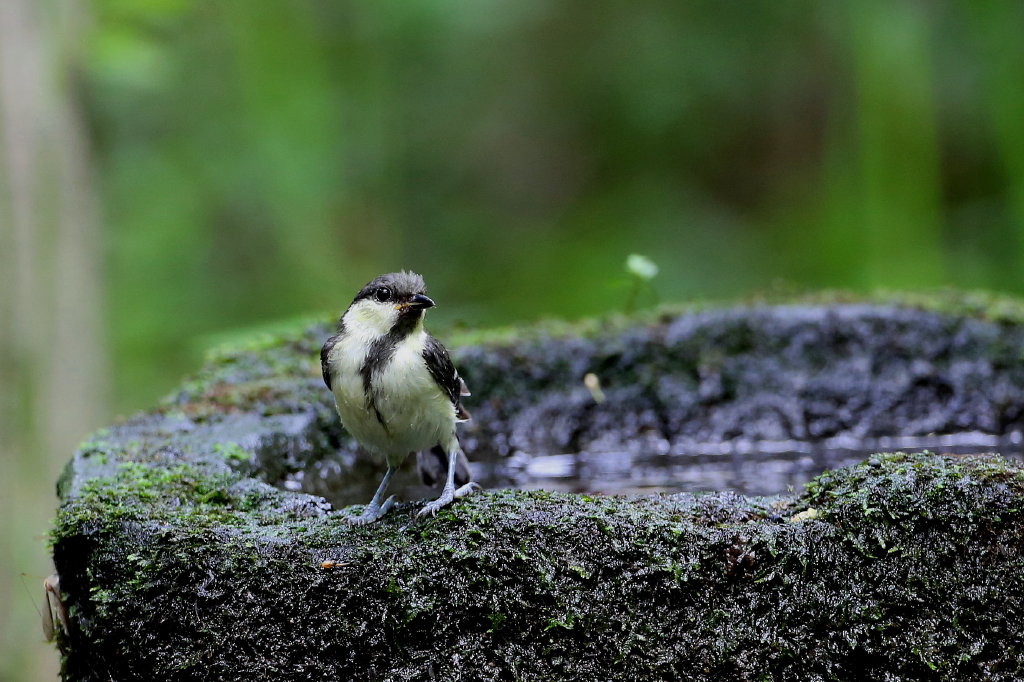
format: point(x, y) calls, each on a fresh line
point(747, 467)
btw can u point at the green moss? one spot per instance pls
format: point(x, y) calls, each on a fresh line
point(173, 495)
point(232, 452)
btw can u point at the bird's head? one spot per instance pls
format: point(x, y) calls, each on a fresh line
point(387, 301)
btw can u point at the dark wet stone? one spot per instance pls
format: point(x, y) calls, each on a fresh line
point(779, 373)
point(182, 556)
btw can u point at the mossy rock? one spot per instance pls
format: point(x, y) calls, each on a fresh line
point(180, 561)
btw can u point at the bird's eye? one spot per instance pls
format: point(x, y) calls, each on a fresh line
point(383, 294)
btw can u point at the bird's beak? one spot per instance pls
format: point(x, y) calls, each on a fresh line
point(417, 302)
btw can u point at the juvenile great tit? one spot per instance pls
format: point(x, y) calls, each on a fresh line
point(396, 389)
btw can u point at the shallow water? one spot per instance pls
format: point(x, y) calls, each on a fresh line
point(748, 467)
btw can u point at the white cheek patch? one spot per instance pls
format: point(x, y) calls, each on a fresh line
point(377, 318)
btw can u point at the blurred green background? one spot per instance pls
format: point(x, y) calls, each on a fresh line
point(175, 172)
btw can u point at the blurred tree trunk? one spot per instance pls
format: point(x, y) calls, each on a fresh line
point(52, 357)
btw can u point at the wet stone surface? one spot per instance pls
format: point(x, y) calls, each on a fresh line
point(203, 539)
point(752, 400)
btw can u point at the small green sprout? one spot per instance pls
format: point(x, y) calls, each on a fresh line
point(641, 271)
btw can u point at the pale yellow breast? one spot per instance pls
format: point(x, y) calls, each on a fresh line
point(416, 412)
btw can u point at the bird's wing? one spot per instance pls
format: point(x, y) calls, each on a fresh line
point(440, 366)
point(325, 351)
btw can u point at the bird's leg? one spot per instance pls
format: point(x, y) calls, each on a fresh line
point(375, 509)
point(450, 492)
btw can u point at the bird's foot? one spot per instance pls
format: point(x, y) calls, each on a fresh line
point(448, 495)
point(371, 513)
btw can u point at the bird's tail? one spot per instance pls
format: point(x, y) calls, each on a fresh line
point(433, 466)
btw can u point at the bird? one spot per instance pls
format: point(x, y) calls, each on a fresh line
point(396, 389)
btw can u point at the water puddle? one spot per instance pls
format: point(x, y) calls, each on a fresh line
point(745, 467)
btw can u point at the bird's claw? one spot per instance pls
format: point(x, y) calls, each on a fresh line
point(431, 508)
point(448, 496)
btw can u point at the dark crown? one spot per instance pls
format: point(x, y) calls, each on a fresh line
point(402, 284)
